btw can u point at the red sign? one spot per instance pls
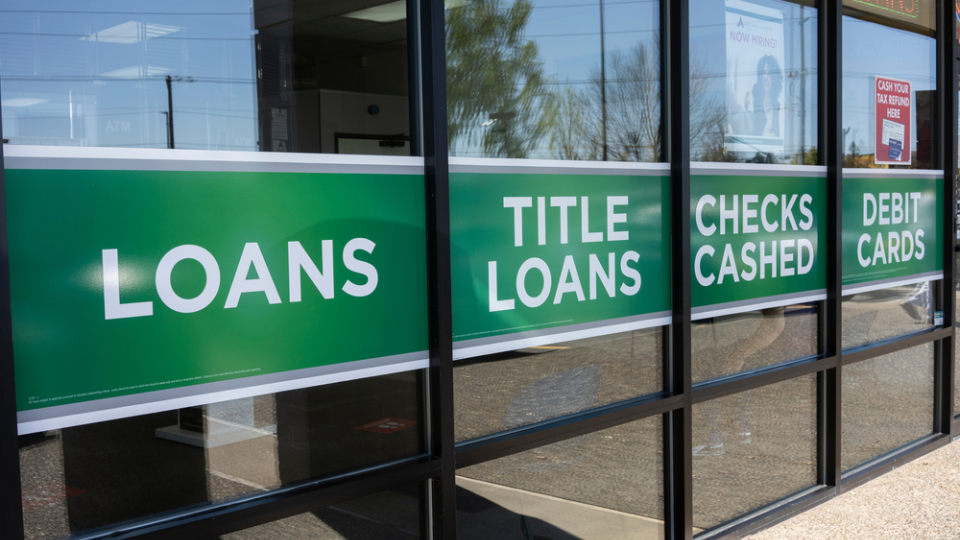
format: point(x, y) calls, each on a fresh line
point(387, 425)
point(894, 101)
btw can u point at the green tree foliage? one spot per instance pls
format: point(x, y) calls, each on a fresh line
point(498, 97)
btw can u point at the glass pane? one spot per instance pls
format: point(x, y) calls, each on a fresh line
point(877, 315)
point(752, 449)
point(253, 75)
point(753, 81)
point(889, 103)
point(733, 344)
point(508, 390)
point(395, 514)
point(84, 477)
point(606, 485)
point(887, 403)
point(552, 79)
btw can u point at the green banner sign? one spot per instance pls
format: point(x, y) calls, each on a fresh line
point(137, 287)
point(891, 231)
point(754, 241)
point(541, 258)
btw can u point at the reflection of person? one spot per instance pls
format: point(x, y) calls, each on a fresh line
point(733, 358)
point(762, 104)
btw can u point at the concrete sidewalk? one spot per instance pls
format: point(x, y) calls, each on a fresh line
point(919, 500)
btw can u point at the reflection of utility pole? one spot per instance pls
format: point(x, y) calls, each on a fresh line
point(169, 113)
point(603, 86)
point(170, 80)
point(803, 93)
point(167, 122)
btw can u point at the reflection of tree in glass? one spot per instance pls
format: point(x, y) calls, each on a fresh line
point(708, 116)
point(497, 94)
point(576, 130)
point(633, 104)
point(633, 112)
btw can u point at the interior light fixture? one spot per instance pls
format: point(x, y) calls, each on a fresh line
point(22, 102)
point(391, 12)
point(386, 13)
point(131, 32)
point(136, 72)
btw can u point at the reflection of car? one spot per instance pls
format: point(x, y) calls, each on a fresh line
point(914, 299)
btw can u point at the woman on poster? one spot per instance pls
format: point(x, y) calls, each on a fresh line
point(762, 103)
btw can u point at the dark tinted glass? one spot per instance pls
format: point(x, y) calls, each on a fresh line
point(752, 449)
point(732, 344)
point(503, 391)
point(395, 514)
point(878, 315)
point(272, 76)
point(84, 477)
point(606, 485)
point(887, 403)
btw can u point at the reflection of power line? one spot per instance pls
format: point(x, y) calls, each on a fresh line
point(251, 38)
point(593, 33)
point(20, 118)
point(123, 12)
point(537, 8)
point(181, 111)
point(251, 12)
point(164, 145)
point(69, 78)
point(143, 111)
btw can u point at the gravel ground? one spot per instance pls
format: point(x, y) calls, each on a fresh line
point(919, 500)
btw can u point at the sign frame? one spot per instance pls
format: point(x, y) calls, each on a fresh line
point(40, 158)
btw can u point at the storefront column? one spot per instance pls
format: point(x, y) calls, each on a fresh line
point(436, 169)
point(678, 428)
point(11, 509)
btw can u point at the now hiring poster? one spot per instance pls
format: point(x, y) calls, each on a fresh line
point(755, 84)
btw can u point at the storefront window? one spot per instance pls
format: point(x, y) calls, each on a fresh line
point(891, 217)
point(752, 449)
point(889, 94)
point(753, 340)
point(753, 100)
point(396, 514)
point(137, 78)
point(561, 285)
point(753, 81)
point(510, 390)
point(80, 478)
point(606, 485)
point(871, 426)
point(886, 313)
point(551, 79)
point(547, 318)
point(227, 75)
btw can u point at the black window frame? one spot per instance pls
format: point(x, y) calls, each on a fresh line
point(437, 468)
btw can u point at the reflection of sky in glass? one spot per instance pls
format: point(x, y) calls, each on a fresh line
point(92, 74)
point(870, 50)
point(567, 35)
point(708, 55)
